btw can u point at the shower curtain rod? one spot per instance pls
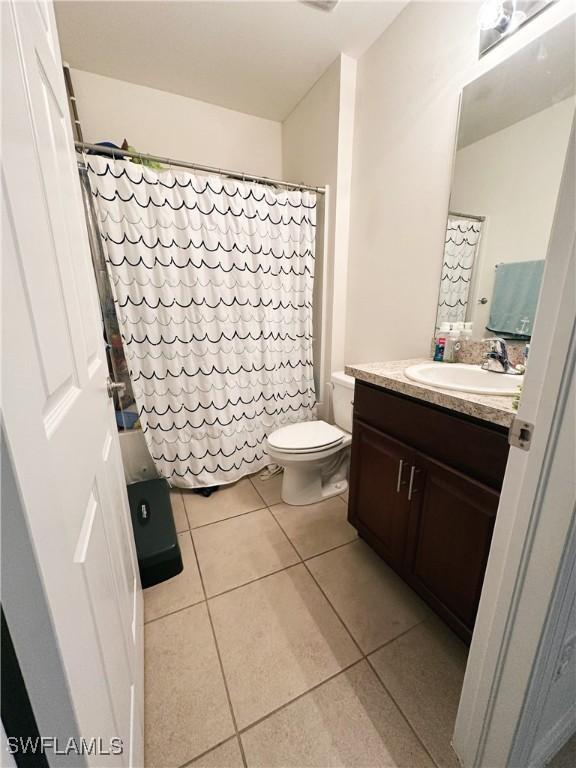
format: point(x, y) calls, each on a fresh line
point(82, 146)
point(466, 216)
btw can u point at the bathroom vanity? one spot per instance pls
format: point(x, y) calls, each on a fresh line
point(427, 468)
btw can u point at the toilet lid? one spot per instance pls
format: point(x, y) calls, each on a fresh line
point(306, 436)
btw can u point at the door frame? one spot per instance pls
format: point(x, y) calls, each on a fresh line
point(513, 656)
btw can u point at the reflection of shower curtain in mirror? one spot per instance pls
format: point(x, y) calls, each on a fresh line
point(462, 237)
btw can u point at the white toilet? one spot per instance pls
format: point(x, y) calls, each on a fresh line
point(315, 454)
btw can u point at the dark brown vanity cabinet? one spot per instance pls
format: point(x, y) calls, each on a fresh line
point(424, 490)
point(380, 465)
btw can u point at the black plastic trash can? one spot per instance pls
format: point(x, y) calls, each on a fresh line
point(157, 547)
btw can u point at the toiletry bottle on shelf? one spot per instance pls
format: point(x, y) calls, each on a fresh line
point(440, 341)
point(452, 346)
point(439, 346)
point(466, 334)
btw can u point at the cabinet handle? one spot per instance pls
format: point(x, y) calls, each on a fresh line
point(400, 482)
point(411, 489)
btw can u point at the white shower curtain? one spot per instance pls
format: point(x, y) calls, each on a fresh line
point(462, 237)
point(212, 281)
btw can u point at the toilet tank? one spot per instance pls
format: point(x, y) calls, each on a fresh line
point(342, 397)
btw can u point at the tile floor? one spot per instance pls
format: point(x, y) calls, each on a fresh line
point(566, 757)
point(287, 642)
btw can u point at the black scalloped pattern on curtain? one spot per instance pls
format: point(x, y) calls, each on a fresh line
point(212, 282)
point(462, 237)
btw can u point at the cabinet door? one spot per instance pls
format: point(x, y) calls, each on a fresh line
point(452, 517)
point(378, 500)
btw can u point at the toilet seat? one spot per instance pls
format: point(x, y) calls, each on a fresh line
point(306, 437)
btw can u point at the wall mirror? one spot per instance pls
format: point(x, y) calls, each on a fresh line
point(513, 133)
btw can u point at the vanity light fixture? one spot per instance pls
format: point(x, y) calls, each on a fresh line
point(321, 5)
point(498, 19)
point(500, 15)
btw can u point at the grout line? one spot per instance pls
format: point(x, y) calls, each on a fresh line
point(176, 610)
point(325, 551)
point(300, 696)
point(256, 489)
point(252, 581)
point(401, 711)
point(224, 519)
point(222, 672)
point(202, 754)
point(340, 619)
point(396, 637)
point(303, 562)
point(242, 753)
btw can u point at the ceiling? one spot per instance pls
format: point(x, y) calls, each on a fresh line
point(254, 57)
point(536, 77)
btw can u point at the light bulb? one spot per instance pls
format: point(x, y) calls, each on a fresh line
point(495, 14)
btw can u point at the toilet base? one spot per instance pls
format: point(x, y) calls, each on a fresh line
point(310, 477)
point(305, 483)
point(301, 487)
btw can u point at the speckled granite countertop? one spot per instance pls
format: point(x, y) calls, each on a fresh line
point(497, 410)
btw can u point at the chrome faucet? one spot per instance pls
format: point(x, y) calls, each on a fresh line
point(496, 359)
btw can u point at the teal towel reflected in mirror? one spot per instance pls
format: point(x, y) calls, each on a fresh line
point(515, 298)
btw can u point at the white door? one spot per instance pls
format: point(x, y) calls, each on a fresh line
point(58, 418)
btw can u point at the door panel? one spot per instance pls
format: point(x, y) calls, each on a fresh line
point(449, 548)
point(59, 420)
point(118, 534)
point(50, 123)
point(378, 495)
point(103, 603)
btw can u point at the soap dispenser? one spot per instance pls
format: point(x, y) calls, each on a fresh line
point(452, 346)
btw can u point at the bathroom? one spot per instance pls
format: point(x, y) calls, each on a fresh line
point(288, 383)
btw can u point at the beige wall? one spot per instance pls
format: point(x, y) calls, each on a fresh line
point(512, 177)
point(310, 155)
point(310, 132)
point(408, 88)
point(317, 150)
point(175, 126)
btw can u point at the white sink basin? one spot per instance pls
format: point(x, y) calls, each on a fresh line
point(464, 378)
